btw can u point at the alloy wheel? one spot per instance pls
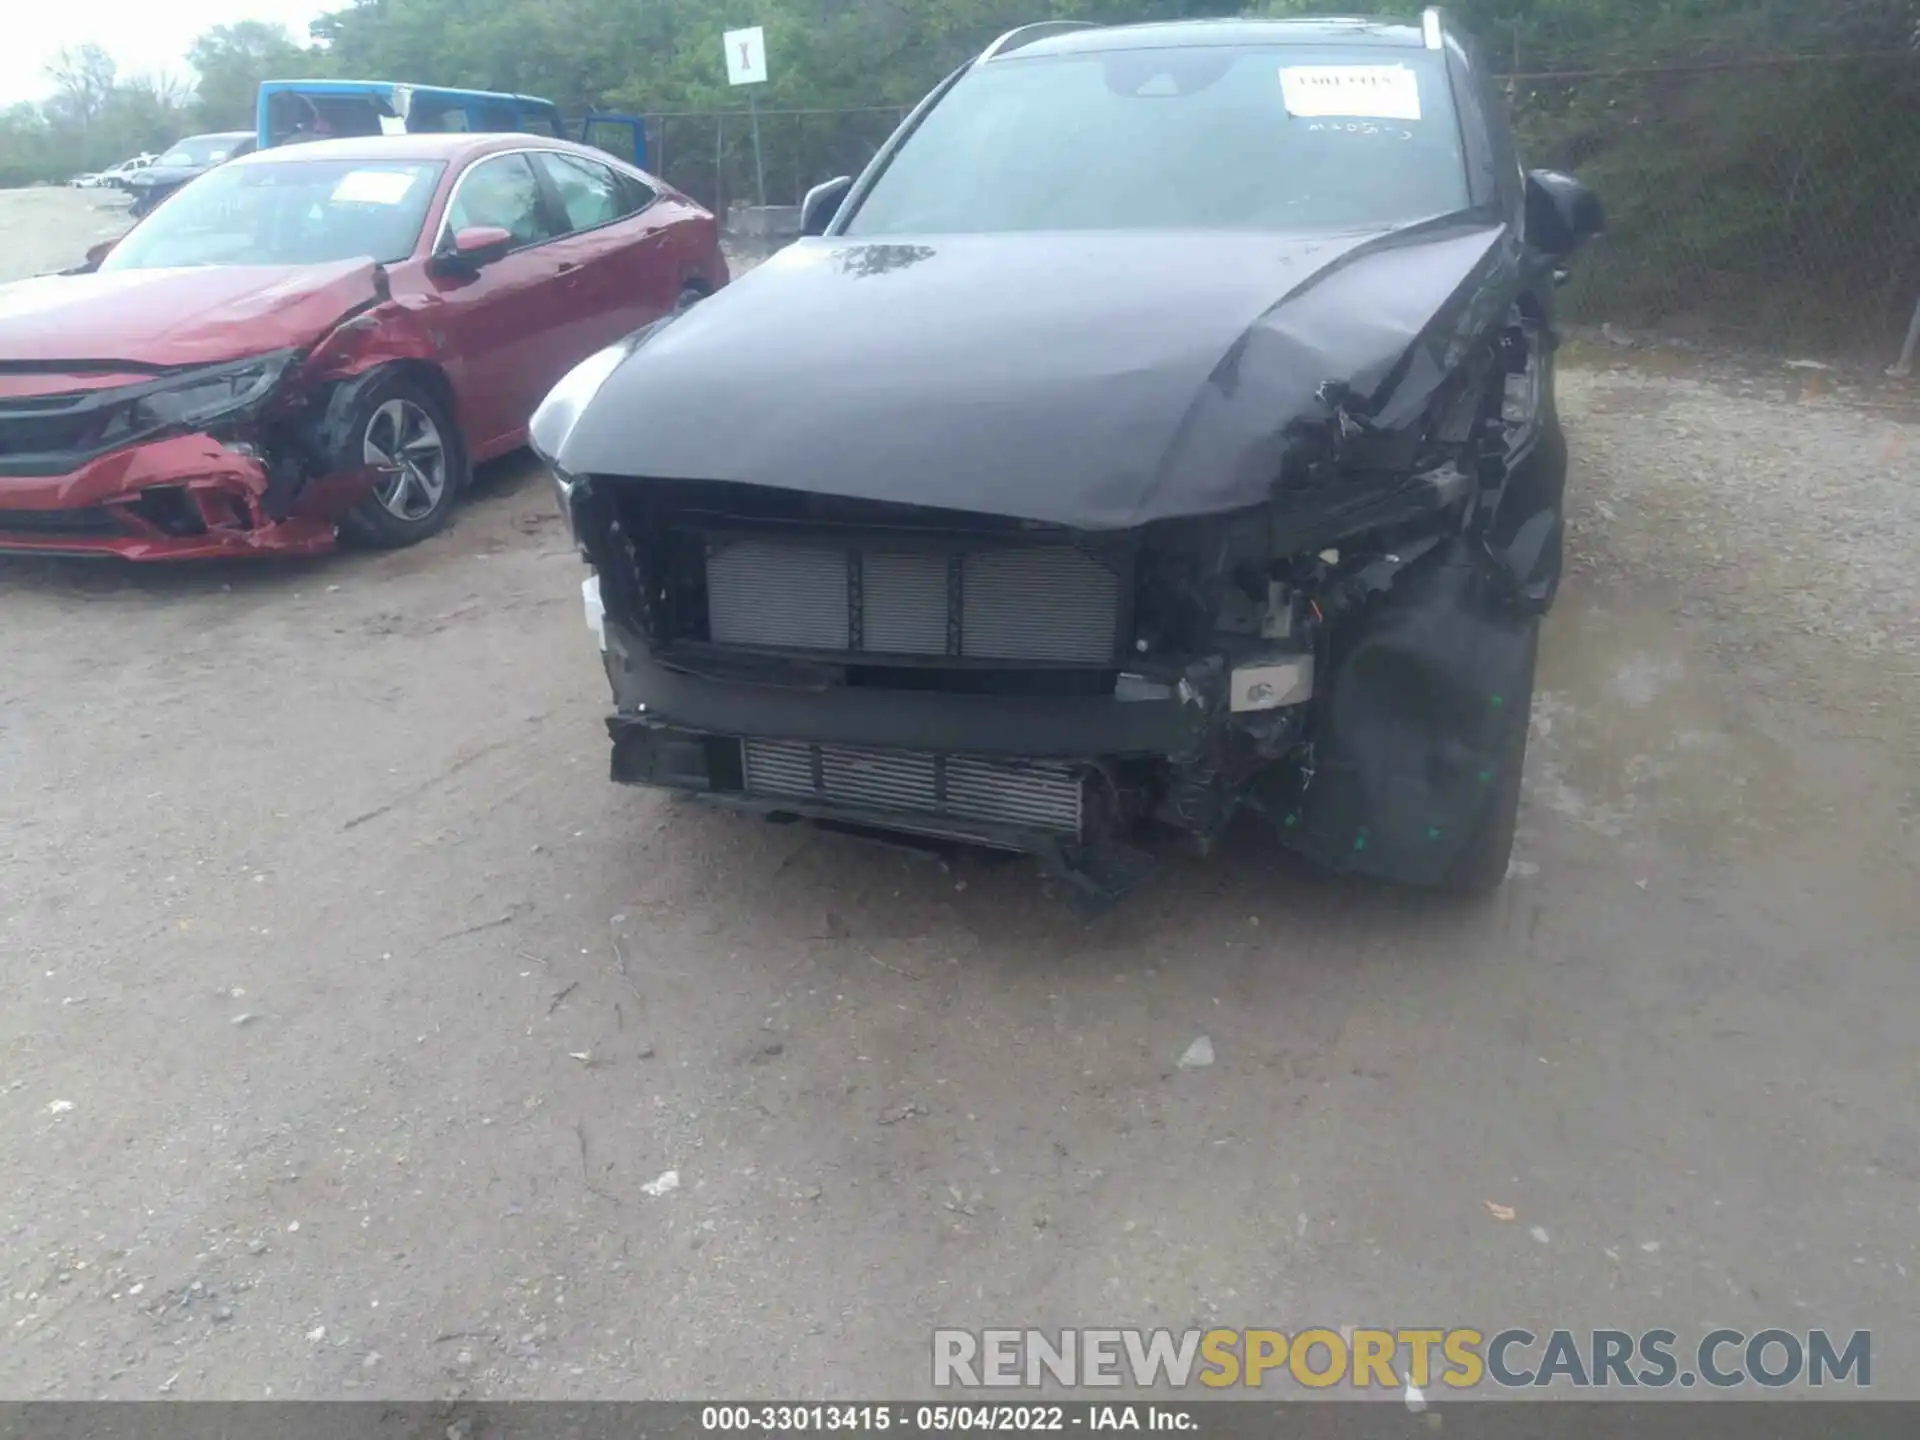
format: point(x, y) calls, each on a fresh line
point(404, 444)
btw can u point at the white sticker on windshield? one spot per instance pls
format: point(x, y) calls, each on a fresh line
point(373, 187)
point(1361, 92)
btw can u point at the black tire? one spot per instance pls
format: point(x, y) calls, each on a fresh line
point(400, 416)
point(1538, 484)
point(1481, 865)
point(1553, 481)
point(690, 296)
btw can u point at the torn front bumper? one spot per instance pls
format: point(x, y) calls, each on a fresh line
point(1022, 773)
point(1389, 764)
point(189, 497)
point(1060, 776)
point(1152, 721)
point(1031, 807)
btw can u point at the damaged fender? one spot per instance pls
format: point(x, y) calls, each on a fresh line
point(356, 357)
point(1420, 725)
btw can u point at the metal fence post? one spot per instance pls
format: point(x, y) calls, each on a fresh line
point(1903, 367)
point(719, 174)
point(759, 164)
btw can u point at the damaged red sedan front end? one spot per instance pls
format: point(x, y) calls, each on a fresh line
point(185, 498)
point(324, 338)
point(203, 458)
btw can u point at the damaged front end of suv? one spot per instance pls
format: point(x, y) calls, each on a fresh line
point(1040, 541)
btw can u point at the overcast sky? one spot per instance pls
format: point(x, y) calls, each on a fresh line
point(142, 35)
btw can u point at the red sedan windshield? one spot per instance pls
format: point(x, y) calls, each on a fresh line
point(286, 212)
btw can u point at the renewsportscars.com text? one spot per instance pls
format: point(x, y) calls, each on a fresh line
point(1366, 1358)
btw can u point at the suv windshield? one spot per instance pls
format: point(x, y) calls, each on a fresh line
point(1209, 137)
point(291, 212)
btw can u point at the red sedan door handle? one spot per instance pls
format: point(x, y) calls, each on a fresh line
point(568, 265)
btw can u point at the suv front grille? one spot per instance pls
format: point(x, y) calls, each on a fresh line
point(1021, 603)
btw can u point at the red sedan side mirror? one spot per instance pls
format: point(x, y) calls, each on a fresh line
point(473, 248)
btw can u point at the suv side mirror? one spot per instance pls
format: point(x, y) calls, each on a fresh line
point(1562, 214)
point(472, 250)
point(822, 204)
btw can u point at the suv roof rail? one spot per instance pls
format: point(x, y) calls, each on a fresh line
point(1433, 27)
point(1027, 34)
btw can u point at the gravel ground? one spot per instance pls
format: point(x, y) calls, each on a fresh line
point(1812, 528)
point(50, 228)
point(354, 1020)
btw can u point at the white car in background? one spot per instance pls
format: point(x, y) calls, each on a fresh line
point(114, 175)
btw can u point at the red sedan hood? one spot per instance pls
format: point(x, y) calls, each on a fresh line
point(151, 318)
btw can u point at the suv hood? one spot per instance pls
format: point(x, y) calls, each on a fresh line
point(1097, 381)
point(159, 319)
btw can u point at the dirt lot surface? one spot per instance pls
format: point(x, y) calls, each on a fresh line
point(49, 229)
point(354, 1020)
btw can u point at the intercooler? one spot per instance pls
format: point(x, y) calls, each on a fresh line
point(1030, 796)
point(1021, 603)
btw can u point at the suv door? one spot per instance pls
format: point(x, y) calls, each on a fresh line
point(626, 267)
point(506, 325)
point(622, 136)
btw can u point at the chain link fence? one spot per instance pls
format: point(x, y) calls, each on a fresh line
point(709, 154)
point(1770, 205)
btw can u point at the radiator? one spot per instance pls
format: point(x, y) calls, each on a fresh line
point(1019, 603)
point(1032, 796)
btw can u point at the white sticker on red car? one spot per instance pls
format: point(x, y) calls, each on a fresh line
point(1359, 92)
point(373, 187)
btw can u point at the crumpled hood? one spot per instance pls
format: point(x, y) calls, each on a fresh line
point(165, 318)
point(1099, 381)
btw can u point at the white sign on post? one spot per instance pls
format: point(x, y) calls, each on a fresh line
point(746, 56)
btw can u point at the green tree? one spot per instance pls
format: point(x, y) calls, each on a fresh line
point(232, 60)
point(83, 79)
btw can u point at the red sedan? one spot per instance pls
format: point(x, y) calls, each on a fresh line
point(324, 338)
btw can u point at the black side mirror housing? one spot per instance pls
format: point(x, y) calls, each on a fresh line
point(95, 254)
point(1562, 214)
point(822, 204)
